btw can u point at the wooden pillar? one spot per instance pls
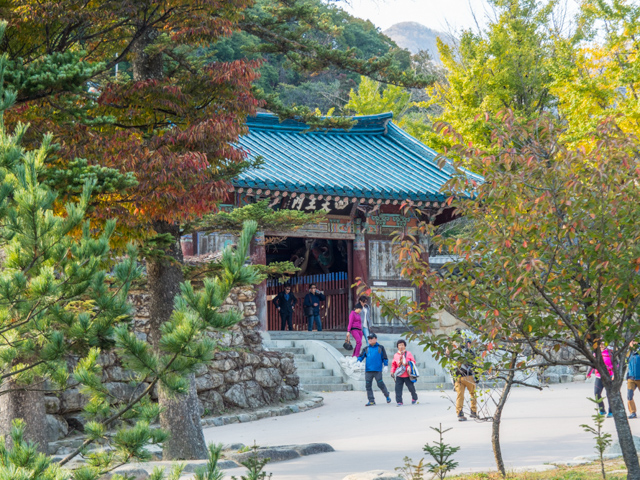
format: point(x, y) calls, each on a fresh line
point(350, 277)
point(424, 241)
point(360, 263)
point(259, 257)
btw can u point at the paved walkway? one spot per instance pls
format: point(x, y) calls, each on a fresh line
point(537, 427)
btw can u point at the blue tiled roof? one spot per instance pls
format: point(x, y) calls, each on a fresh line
point(374, 159)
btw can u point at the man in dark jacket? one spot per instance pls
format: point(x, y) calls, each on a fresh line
point(312, 307)
point(285, 302)
point(376, 363)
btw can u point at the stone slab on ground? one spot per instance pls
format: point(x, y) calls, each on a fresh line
point(128, 471)
point(594, 457)
point(281, 453)
point(571, 463)
point(533, 468)
point(374, 475)
point(306, 402)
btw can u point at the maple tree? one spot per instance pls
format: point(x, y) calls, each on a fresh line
point(550, 255)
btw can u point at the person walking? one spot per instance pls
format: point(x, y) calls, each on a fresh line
point(376, 363)
point(598, 386)
point(285, 302)
point(355, 328)
point(312, 307)
point(464, 376)
point(400, 372)
point(367, 319)
point(633, 377)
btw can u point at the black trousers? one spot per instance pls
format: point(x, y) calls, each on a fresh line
point(400, 383)
point(368, 378)
point(598, 387)
point(285, 318)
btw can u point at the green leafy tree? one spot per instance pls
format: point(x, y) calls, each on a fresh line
point(506, 66)
point(600, 78)
point(266, 218)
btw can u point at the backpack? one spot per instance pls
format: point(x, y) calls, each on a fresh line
point(413, 372)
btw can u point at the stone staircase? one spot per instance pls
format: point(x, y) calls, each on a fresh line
point(314, 377)
point(430, 378)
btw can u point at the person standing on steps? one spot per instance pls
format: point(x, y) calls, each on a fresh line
point(367, 319)
point(312, 307)
point(355, 328)
point(376, 363)
point(285, 302)
point(400, 372)
point(633, 377)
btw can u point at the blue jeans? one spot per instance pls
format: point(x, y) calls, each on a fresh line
point(365, 333)
point(315, 319)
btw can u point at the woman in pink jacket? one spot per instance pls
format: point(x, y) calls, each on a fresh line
point(401, 361)
point(355, 328)
point(598, 386)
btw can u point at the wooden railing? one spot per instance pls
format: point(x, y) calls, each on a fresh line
point(334, 311)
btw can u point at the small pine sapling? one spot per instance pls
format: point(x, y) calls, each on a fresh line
point(442, 454)
point(603, 440)
point(255, 466)
point(211, 471)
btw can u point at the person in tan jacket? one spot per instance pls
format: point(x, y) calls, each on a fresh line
point(464, 379)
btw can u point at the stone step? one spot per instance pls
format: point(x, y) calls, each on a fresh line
point(294, 350)
point(431, 379)
point(308, 365)
point(322, 380)
point(324, 387)
point(314, 372)
point(300, 357)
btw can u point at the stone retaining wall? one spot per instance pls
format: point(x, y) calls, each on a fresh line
point(242, 374)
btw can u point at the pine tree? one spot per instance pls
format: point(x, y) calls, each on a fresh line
point(57, 297)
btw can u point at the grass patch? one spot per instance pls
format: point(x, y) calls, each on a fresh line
point(615, 470)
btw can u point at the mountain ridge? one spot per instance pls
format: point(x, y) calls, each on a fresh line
point(416, 37)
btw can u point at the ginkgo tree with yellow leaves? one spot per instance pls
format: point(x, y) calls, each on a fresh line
point(601, 78)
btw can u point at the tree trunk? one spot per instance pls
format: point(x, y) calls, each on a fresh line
point(180, 414)
point(497, 416)
point(625, 437)
point(29, 406)
point(259, 257)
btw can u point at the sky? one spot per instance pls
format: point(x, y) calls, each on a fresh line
point(442, 15)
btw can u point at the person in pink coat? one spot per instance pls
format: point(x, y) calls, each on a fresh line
point(598, 386)
point(355, 328)
point(401, 363)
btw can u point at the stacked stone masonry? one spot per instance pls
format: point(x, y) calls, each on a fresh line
point(243, 375)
